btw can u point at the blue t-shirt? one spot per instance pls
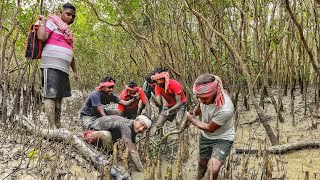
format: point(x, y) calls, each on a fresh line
point(95, 99)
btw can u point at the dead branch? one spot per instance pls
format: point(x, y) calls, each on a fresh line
point(284, 148)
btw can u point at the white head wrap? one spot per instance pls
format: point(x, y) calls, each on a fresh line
point(144, 119)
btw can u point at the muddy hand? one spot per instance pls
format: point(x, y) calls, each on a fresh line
point(42, 19)
point(166, 113)
point(136, 160)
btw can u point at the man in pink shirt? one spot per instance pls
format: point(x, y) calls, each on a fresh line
point(57, 57)
point(172, 91)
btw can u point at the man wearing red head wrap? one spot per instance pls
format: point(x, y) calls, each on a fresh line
point(103, 95)
point(172, 91)
point(128, 93)
point(216, 125)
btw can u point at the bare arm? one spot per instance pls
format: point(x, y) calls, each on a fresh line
point(126, 103)
point(211, 127)
point(135, 156)
point(154, 98)
point(101, 111)
point(178, 102)
point(197, 110)
point(148, 109)
point(74, 69)
point(42, 34)
point(158, 100)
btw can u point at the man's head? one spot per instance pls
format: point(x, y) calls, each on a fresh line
point(160, 76)
point(141, 123)
point(207, 88)
point(151, 83)
point(132, 88)
point(107, 85)
point(68, 13)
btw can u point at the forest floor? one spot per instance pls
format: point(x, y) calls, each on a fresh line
point(31, 157)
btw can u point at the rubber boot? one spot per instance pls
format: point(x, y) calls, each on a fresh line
point(49, 107)
point(57, 113)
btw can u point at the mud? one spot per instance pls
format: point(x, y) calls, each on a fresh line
point(27, 157)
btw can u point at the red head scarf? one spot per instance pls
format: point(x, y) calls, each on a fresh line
point(209, 89)
point(161, 75)
point(105, 84)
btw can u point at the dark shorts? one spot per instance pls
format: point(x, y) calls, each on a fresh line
point(177, 113)
point(55, 84)
point(218, 148)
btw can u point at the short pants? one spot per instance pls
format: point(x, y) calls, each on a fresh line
point(218, 148)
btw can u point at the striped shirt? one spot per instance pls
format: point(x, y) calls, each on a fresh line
point(57, 53)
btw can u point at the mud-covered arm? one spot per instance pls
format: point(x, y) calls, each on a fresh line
point(135, 156)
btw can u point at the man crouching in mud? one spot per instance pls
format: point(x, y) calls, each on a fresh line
point(216, 125)
point(108, 129)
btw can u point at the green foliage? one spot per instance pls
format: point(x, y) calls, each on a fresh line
point(32, 154)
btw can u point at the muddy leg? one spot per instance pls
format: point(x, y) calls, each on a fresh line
point(57, 113)
point(161, 121)
point(49, 108)
point(212, 172)
point(202, 168)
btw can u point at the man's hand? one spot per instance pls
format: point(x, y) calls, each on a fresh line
point(136, 96)
point(76, 77)
point(166, 113)
point(190, 117)
point(42, 19)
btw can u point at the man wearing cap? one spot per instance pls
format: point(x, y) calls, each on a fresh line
point(108, 129)
point(103, 95)
point(216, 125)
point(172, 91)
point(128, 93)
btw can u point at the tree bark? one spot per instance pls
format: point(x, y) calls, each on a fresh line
point(284, 148)
point(100, 161)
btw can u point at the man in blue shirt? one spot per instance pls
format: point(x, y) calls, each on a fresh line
point(93, 108)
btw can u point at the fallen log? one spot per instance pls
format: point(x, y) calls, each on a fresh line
point(99, 160)
point(282, 149)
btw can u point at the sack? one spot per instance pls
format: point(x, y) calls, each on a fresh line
point(34, 46)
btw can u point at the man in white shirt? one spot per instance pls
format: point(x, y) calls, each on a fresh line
point(216, 125)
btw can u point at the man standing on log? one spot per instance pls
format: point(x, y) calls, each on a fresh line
point(172, 91)
point(108, 129)
point(94, 107)
point(57, 57)
point(216, 125)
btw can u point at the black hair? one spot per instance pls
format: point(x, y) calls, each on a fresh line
point(161, 69)
point(68, 6)
point(148, 77)
point(132, 84)
point(107, 79)
point(204, 79)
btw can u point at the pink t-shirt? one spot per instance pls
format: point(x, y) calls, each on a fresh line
point(57, 53)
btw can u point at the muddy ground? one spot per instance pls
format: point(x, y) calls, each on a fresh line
point(28, 157)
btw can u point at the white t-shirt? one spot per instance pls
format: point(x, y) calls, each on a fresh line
point(222, 117)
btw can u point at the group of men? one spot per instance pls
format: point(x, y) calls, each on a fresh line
point(105, 125)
